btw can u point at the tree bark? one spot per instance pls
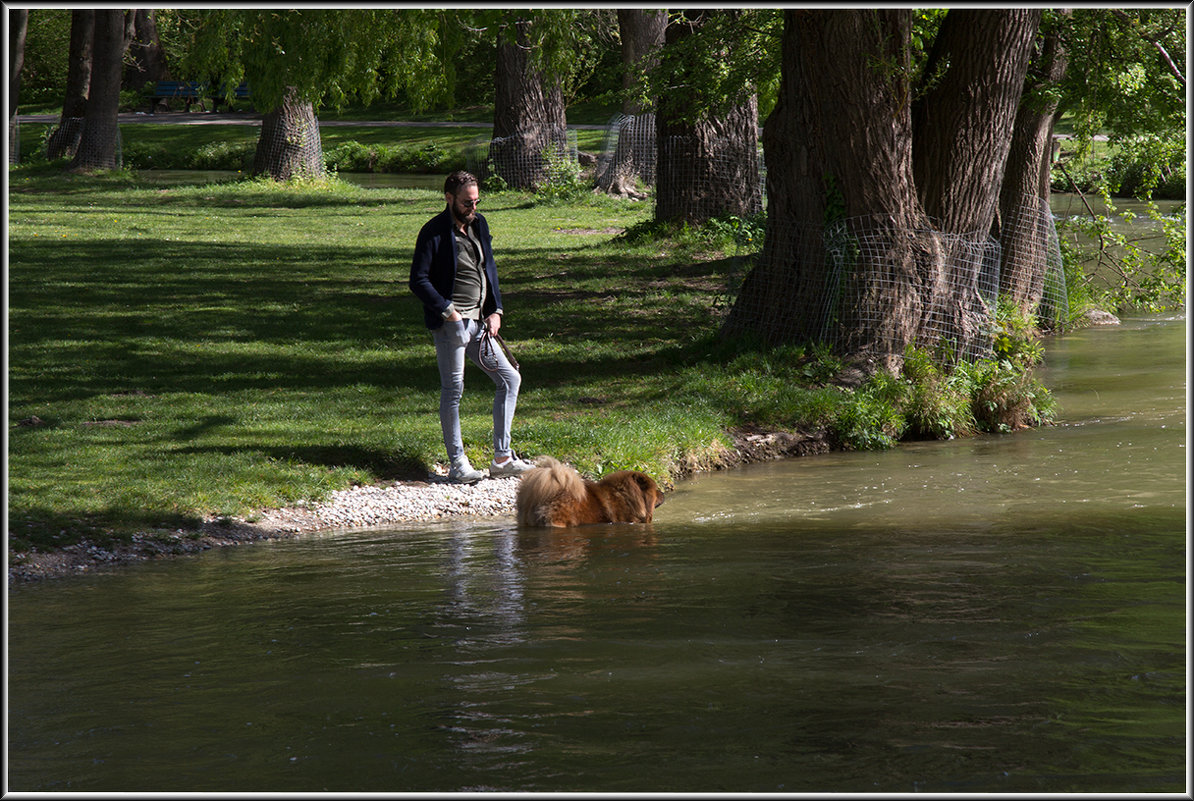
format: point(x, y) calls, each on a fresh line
point(1025, 224)
point(642, 32)
point(633, 157)
point(529, 127)
point(851, 258)
point(289, 145)
point(148, 62)
point(839, 147)
point(707, 167)
point(99, 142)
point(18, 23)
point(962, 126)
point(64, 141)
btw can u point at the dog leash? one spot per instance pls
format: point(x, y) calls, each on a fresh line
point(486, 350)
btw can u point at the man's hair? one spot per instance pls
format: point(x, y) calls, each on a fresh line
point(458, 180)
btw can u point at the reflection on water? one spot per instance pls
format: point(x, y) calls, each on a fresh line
point(987, 615)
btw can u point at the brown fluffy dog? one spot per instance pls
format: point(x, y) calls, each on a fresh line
point(553, 494)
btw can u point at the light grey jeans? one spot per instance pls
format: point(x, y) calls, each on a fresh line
point(453, 342)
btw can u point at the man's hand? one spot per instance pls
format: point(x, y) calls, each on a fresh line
point(493, 322)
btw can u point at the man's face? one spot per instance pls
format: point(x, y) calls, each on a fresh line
point(464, 202)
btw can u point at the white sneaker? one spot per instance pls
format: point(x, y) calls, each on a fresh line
point(511, 467)
point(464, 473)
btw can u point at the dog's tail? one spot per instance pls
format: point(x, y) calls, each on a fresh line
point(549, 483)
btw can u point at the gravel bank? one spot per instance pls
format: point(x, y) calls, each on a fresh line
point(365, 506)
point(358, 507)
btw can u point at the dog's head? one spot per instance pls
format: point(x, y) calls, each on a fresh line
point(639, 495)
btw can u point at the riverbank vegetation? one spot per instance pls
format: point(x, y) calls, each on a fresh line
point(208, 350)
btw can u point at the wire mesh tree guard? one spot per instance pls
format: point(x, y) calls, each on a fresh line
point(524, 160)
point(862, 285)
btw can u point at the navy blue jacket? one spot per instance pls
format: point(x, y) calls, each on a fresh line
point(433, 269)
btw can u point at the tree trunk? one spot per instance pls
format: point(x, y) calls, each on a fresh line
point(708, 167)
point(962, 126)
point(1025, 226)
point(851, 259)
point(64, 141)
point(839, 150)
point(633, 155)
point(529, 129)
point(289, 145)
point(642, 32)
point(148, 63)
point(18, 23)
point(99, 142)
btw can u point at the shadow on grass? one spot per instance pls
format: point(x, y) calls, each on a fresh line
point(42, 529)
point(395, 465)
point(106, 317)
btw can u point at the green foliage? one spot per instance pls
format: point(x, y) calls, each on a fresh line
point(563, 182)
point(354, 156)
point(873, 419)
point(728, 54)
point(326, 56)
point(1128, 272)
point(1016, 338)
point(1006, 396)
point(729, 232)
point(1120, 83)
point(1117, 80)
point(47, 45)
point(937, 400)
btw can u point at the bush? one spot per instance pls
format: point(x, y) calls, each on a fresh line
point(355, 157)
point(351, 157)
point(1006, 397)
point(937, 403)
point(223, 156)
point(147, 156)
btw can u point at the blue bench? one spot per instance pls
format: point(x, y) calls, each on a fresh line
point(192, 91)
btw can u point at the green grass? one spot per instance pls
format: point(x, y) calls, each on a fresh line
point(179, 143)
point(216, 349)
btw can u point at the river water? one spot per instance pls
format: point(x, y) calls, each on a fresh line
point(999, 614)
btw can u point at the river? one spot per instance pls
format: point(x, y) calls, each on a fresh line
point(998, 614)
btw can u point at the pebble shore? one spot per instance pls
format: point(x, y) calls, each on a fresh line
point(378, 505)
point(354, 508)
point(364, 506)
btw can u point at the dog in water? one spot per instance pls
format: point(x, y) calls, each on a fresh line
point(553, 494)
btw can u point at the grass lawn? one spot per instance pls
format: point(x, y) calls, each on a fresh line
point(216, 349)
point(183, 351)
point(183, 139)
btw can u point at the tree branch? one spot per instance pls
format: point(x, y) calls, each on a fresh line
point(1155, 42)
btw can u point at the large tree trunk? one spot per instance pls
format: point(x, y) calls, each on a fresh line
point(961, 133)
point(148, 62)
point(18, 23)
point(962, 126)
point(529, 129)
point(632, 156)
point(64, 141)
point(851, 258)
point(708, 167)
point(99, 142)
point(289, 145)
point(1025, 221)
point(838, 148)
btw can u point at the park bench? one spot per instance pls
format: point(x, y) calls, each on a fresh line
point(192, 91)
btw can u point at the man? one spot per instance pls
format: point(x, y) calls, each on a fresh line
point(454, 275)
